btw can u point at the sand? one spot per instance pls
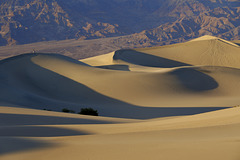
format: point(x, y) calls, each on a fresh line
point(170, 102)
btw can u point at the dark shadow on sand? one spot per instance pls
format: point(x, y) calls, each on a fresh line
point(22, 119)
point(143, 59)
point(137, 112)
point(237, 43)
point(195, 80)
point(17, 144)
point(37, 131)
point(115, 67)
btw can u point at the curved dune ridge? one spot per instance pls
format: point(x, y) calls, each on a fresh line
point(144, 83)
point(154, 103)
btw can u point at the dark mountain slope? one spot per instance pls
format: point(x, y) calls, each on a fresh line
point(155, 21)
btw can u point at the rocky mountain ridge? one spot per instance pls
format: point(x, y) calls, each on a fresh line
point(152, 22)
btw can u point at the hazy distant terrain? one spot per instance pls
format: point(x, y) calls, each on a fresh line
point(147, 22)
point(76, 49)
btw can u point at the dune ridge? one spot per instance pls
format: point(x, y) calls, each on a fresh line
point(140, 78)
point(169, 102)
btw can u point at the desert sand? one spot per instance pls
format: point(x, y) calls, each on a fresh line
point(173, 102)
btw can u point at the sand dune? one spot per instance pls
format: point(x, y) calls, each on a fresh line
point(32, 80)
point(154, 103)
point(210, 135)
point(206, 50)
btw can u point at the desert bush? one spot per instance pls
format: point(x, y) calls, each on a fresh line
point(88, 111)
point(67, 110)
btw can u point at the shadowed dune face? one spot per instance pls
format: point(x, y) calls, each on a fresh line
point(140, 58)
point(115, 67)
point(193, 79)
point(17, 144)
point(21, 119)
point(37, 131)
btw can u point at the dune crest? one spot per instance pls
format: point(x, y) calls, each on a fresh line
point(208, 37)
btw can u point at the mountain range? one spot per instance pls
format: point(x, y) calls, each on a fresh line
point(142, 22)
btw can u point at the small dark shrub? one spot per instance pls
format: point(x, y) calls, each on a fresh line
point(88, 111)
point(67, 110)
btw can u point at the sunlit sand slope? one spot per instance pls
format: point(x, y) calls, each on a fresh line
point(213, 135)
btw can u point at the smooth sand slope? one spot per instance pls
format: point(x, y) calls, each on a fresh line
point(134, 92)
point(213, 135)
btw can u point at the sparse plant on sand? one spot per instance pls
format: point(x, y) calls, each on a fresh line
point(88, 111)
point(67, 110)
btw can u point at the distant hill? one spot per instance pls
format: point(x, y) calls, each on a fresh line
point(147, 22)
